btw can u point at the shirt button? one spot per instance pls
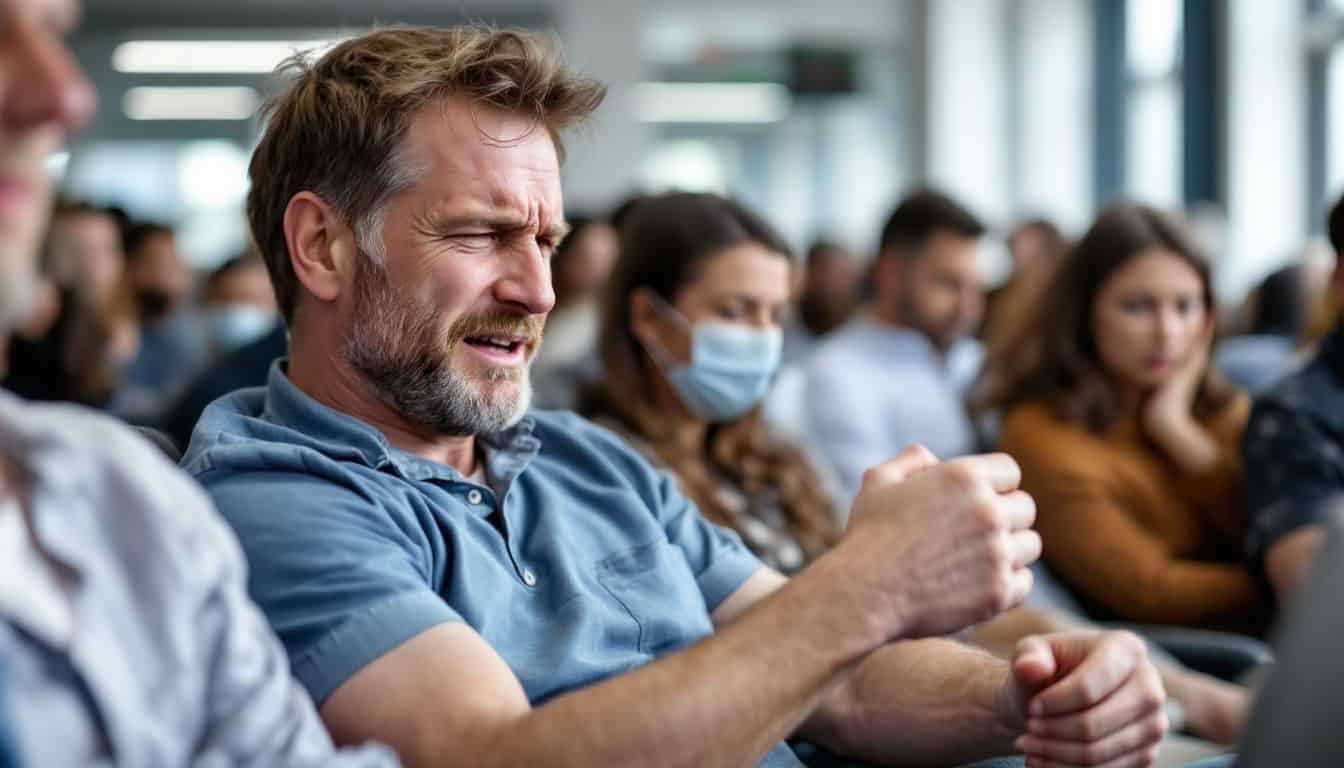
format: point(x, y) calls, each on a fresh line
point(529, 578)
point(474, 496)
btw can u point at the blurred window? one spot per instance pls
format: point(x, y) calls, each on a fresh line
point(1154, 100)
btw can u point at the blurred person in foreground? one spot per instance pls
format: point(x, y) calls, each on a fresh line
point(126, 635)
point(1294, 452)
point(897, 375)
point(579, 269)
point(507, 587)
point(1127, 436)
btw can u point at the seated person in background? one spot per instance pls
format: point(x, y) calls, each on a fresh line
point(688, 345)
point(1126, 435)
point(579, 272)
point(237, 304)
point(1034, 248)
point(690, 342)
point(464, 580)
point(170, 350)
point(79, 352)
point(1294, 453)
point(126, 635)
point(1274, 315)
point(896, 377)
point(244, 367)
point(828, 295)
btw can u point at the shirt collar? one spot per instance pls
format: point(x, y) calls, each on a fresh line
point(340, 435)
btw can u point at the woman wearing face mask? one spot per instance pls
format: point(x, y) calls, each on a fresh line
point(1126, 436)
point(689, 344)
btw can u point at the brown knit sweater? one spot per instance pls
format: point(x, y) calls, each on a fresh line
point(1131, 533)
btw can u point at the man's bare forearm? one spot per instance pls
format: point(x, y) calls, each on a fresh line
point(919, 702)
point(722, 702)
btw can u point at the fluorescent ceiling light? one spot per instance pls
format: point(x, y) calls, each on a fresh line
point(711, 102)
point(191, 103)
point(210, 56)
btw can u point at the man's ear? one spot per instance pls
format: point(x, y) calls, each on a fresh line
point(321, 246)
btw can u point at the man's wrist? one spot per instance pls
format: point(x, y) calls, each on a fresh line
point(862, 619)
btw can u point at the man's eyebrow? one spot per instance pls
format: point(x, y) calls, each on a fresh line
point(442, 222)
point(559, 230)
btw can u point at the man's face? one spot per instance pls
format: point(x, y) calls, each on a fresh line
point(940, 291)
point(445, 330)
point(43, 96)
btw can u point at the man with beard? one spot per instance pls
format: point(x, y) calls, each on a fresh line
point(126, 635)
point(476, 584)
point(896, 376)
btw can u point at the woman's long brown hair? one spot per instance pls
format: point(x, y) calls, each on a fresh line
point(665, 243)
point(1052, 357)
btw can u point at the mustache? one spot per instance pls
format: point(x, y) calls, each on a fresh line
point(529, 327)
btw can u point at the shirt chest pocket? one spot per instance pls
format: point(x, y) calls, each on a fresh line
point(655, 585)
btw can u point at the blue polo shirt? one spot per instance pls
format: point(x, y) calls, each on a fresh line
point(575, 561)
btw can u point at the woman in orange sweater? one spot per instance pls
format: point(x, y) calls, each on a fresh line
point(1126, 436)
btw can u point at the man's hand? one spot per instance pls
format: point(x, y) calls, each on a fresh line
point(1085, 699)
point(933, 548)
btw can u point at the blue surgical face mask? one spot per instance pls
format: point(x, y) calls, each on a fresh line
point(730, 370)
point(234, 326)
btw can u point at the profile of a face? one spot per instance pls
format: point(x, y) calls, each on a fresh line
point(942, 293)
point(43, 96)
point(1148, 318)
point(445, 328)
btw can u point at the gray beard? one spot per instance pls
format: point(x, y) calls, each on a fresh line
point(395, 345)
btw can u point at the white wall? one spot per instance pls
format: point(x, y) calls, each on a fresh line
point(601, 38)
point(966, 105)
point(1266, 140)
point(1055, 66)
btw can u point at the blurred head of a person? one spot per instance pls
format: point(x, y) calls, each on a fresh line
point(830, 287)
point(238, 303)
point(1280, 304)
point(1325, 312)
point(1034, 243)
point(84, 250)
point(43, 96)
point(1126, 309)
point(406, 198)
point(158, 279)
point(691, 336)
point(583, 260)
point(927, 275)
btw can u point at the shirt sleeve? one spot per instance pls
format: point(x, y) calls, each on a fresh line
point(340, 581)
point(257, 714)
point(1294, 469)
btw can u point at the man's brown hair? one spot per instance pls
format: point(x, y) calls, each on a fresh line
point(339, 128)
